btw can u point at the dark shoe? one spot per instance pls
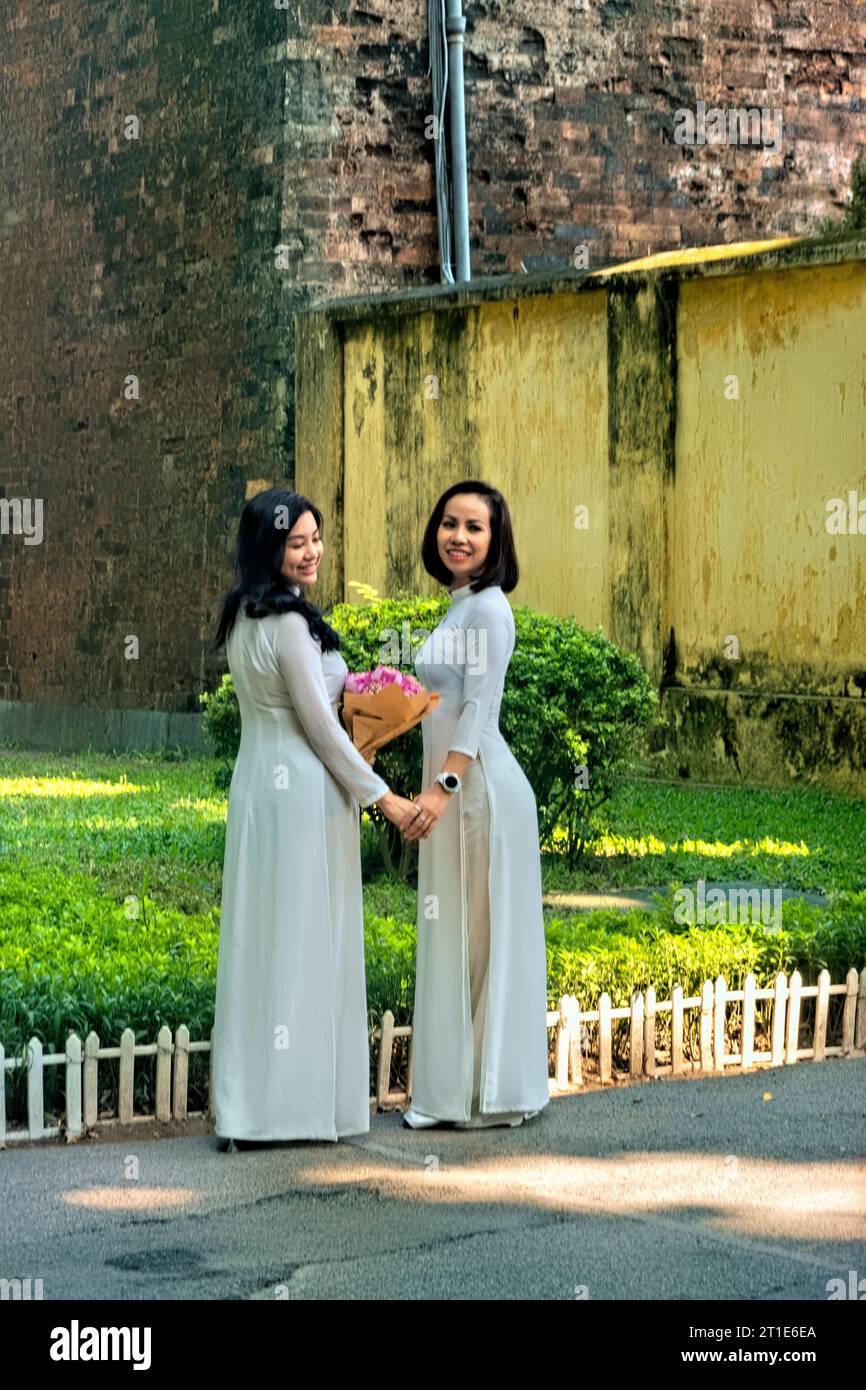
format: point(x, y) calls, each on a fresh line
point(229, 1146)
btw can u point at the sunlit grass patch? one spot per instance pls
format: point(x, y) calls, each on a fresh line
point(111, 879)
point(64, 787)
point(656, 833)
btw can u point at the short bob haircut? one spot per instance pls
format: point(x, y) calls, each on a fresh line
point(500, 567)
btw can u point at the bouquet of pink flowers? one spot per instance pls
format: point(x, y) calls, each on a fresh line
point(380, 705)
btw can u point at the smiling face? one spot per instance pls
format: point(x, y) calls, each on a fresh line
point(303, 551)
point(463, 536)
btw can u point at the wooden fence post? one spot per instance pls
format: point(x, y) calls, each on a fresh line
point(720, 1002)
point(780, 1000)
point(822, 1007)
point(127, 1076)
point(35, 1092)
point(792, 1033)
point(163, 1075)
point(575, 1060)
point(91, 1069)
point(849, 1012)
point(649, 1033)
point(605, 1038)
point(73, 1088)
point(677, 1030)
point(707, 1026)
point(747, 1045)
point(386, 1045)
point(562, 1045)
point(180, 1078)
point(860, 1030)
point(635, 1041)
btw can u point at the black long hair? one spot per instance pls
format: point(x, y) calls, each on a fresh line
point(500, 567)
point(260, 586)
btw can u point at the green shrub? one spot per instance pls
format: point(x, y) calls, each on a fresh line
point(853, 221)
point(590, 953)
point(71, 960)
point(222, 728)
point(572, 700)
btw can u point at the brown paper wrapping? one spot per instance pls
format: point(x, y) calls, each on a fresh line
point(376, 717)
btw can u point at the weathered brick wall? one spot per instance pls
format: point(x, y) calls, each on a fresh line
point(147, 257)
point(570, 127)
point(155, 257)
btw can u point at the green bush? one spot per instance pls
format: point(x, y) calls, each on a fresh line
point(590, 953)
point(72, 960)
point(572, 700)
point(81, 964)
point(853, 221)
point(222, 728)
point(110, 888)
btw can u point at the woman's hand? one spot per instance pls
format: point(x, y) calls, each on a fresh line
point(395, 808)
point(426, 812)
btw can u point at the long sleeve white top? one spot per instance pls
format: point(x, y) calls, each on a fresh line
point(314, 680)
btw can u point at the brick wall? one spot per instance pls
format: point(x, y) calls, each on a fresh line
point(155, 257)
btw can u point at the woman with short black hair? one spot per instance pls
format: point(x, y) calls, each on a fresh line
point(480, 1021)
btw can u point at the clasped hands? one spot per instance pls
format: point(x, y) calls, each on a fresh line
point(424, 813)
point(417, 817)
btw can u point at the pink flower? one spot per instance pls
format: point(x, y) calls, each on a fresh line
point(386, 675)
point(369, 682)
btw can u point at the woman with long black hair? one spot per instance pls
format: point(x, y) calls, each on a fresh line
point(291, 1050)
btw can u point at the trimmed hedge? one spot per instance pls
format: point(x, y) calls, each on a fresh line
point(161, 968)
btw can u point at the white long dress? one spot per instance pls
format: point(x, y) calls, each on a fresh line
point(480, 1021)
point(291, 1048)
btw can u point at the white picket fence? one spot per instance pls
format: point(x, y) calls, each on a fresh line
point(82, 1076)
point(569, 1025)
point(569, 1022)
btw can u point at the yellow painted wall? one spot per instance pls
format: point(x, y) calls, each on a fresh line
point(708, 510)
point(748, 549)
point(522, 403)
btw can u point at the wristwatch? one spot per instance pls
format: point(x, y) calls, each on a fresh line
point(450, 781)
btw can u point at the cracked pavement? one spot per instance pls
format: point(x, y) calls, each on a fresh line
point(688, 1188)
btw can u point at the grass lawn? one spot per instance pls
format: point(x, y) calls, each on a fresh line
point(658, 833)
point(110, 880)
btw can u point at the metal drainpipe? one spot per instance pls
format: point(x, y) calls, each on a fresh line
point(455, 27)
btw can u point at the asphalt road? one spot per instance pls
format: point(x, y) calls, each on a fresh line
point(694, 1188)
